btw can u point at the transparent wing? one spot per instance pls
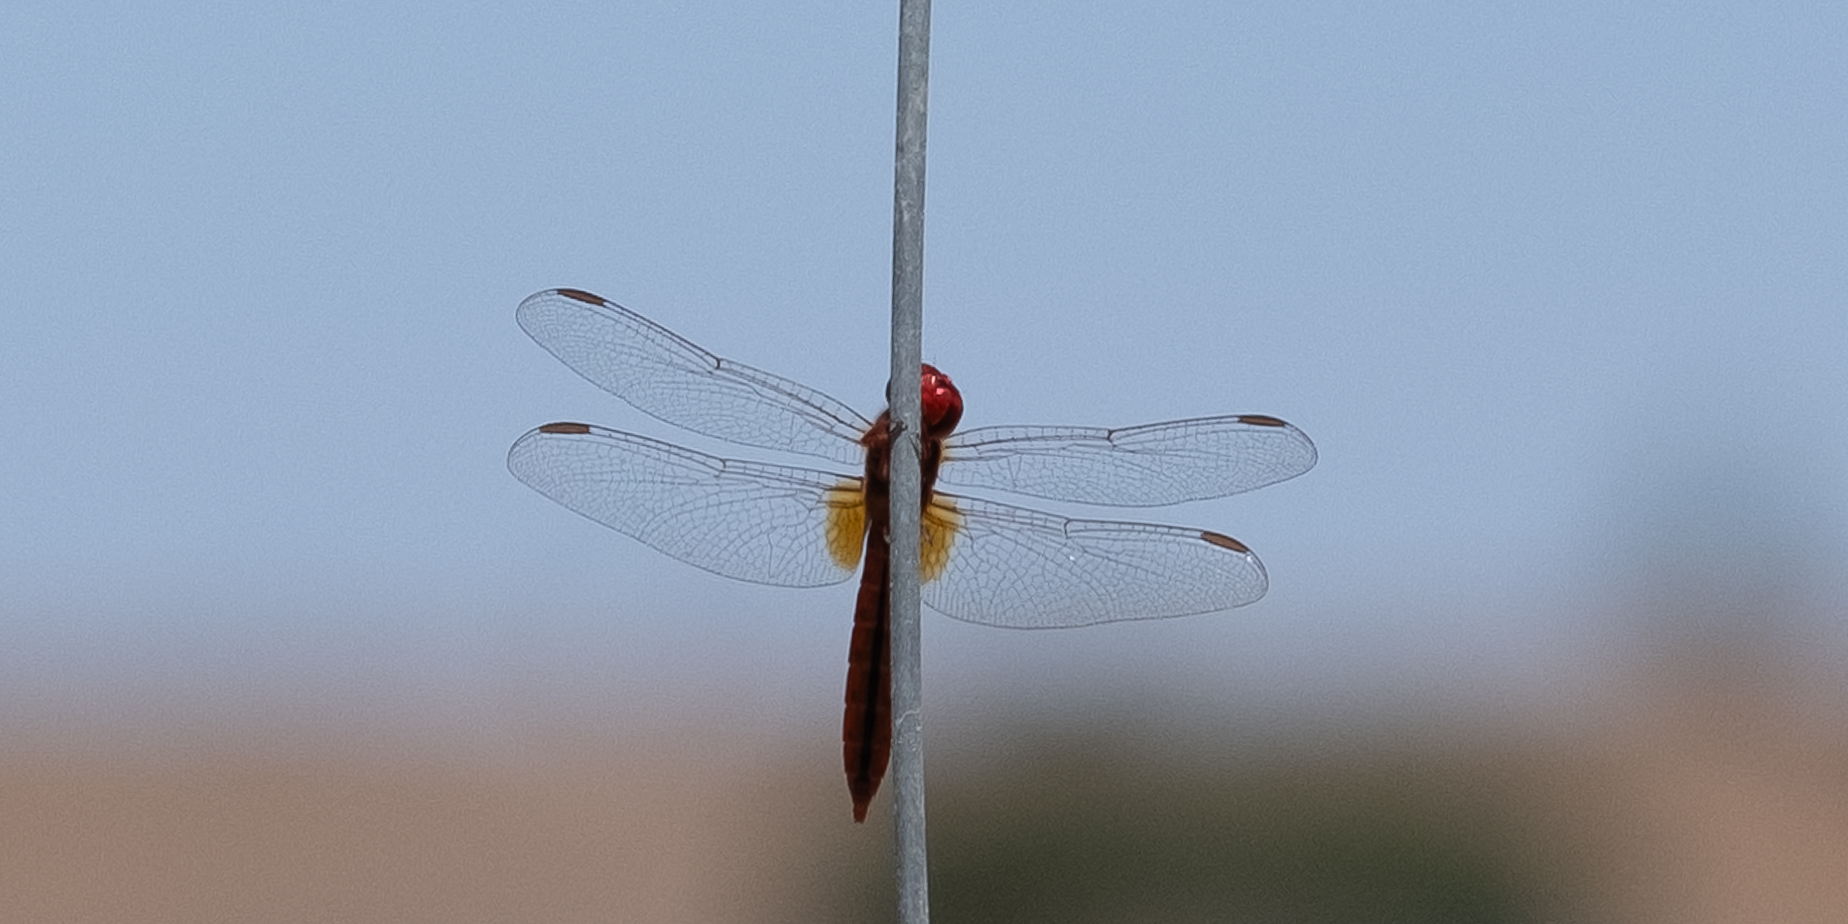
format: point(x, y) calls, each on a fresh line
point(764, 523)
point(663, 375)
point(1023, 569)
point(1147, 466)
point(773, 524)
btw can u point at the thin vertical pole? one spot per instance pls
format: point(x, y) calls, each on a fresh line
point(907, 355)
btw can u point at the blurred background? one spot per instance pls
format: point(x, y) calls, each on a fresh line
point(1556, 628)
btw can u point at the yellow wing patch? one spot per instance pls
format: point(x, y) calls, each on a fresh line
point(846, 523)
point(847, 530)
point(941, 522)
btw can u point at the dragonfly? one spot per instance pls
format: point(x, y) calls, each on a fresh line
point(981, 561)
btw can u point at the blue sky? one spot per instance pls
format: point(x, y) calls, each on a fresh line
point(1559, 292)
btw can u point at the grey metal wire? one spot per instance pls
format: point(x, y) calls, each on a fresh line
point(907, 355)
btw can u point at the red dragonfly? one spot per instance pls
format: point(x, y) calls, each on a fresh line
point(983, 562)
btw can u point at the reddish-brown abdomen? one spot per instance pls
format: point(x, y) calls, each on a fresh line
point(866, 729)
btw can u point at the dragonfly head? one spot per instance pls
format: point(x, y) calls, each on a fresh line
point(943, 405)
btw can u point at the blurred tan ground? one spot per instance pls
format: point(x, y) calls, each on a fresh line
point(1717, 792)
point(1680, 802)
point(251, 828)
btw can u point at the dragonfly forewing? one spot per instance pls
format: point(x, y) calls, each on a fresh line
point(664, 375)
point(1151, 465)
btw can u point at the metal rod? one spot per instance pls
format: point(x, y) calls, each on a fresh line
point(907, 355)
